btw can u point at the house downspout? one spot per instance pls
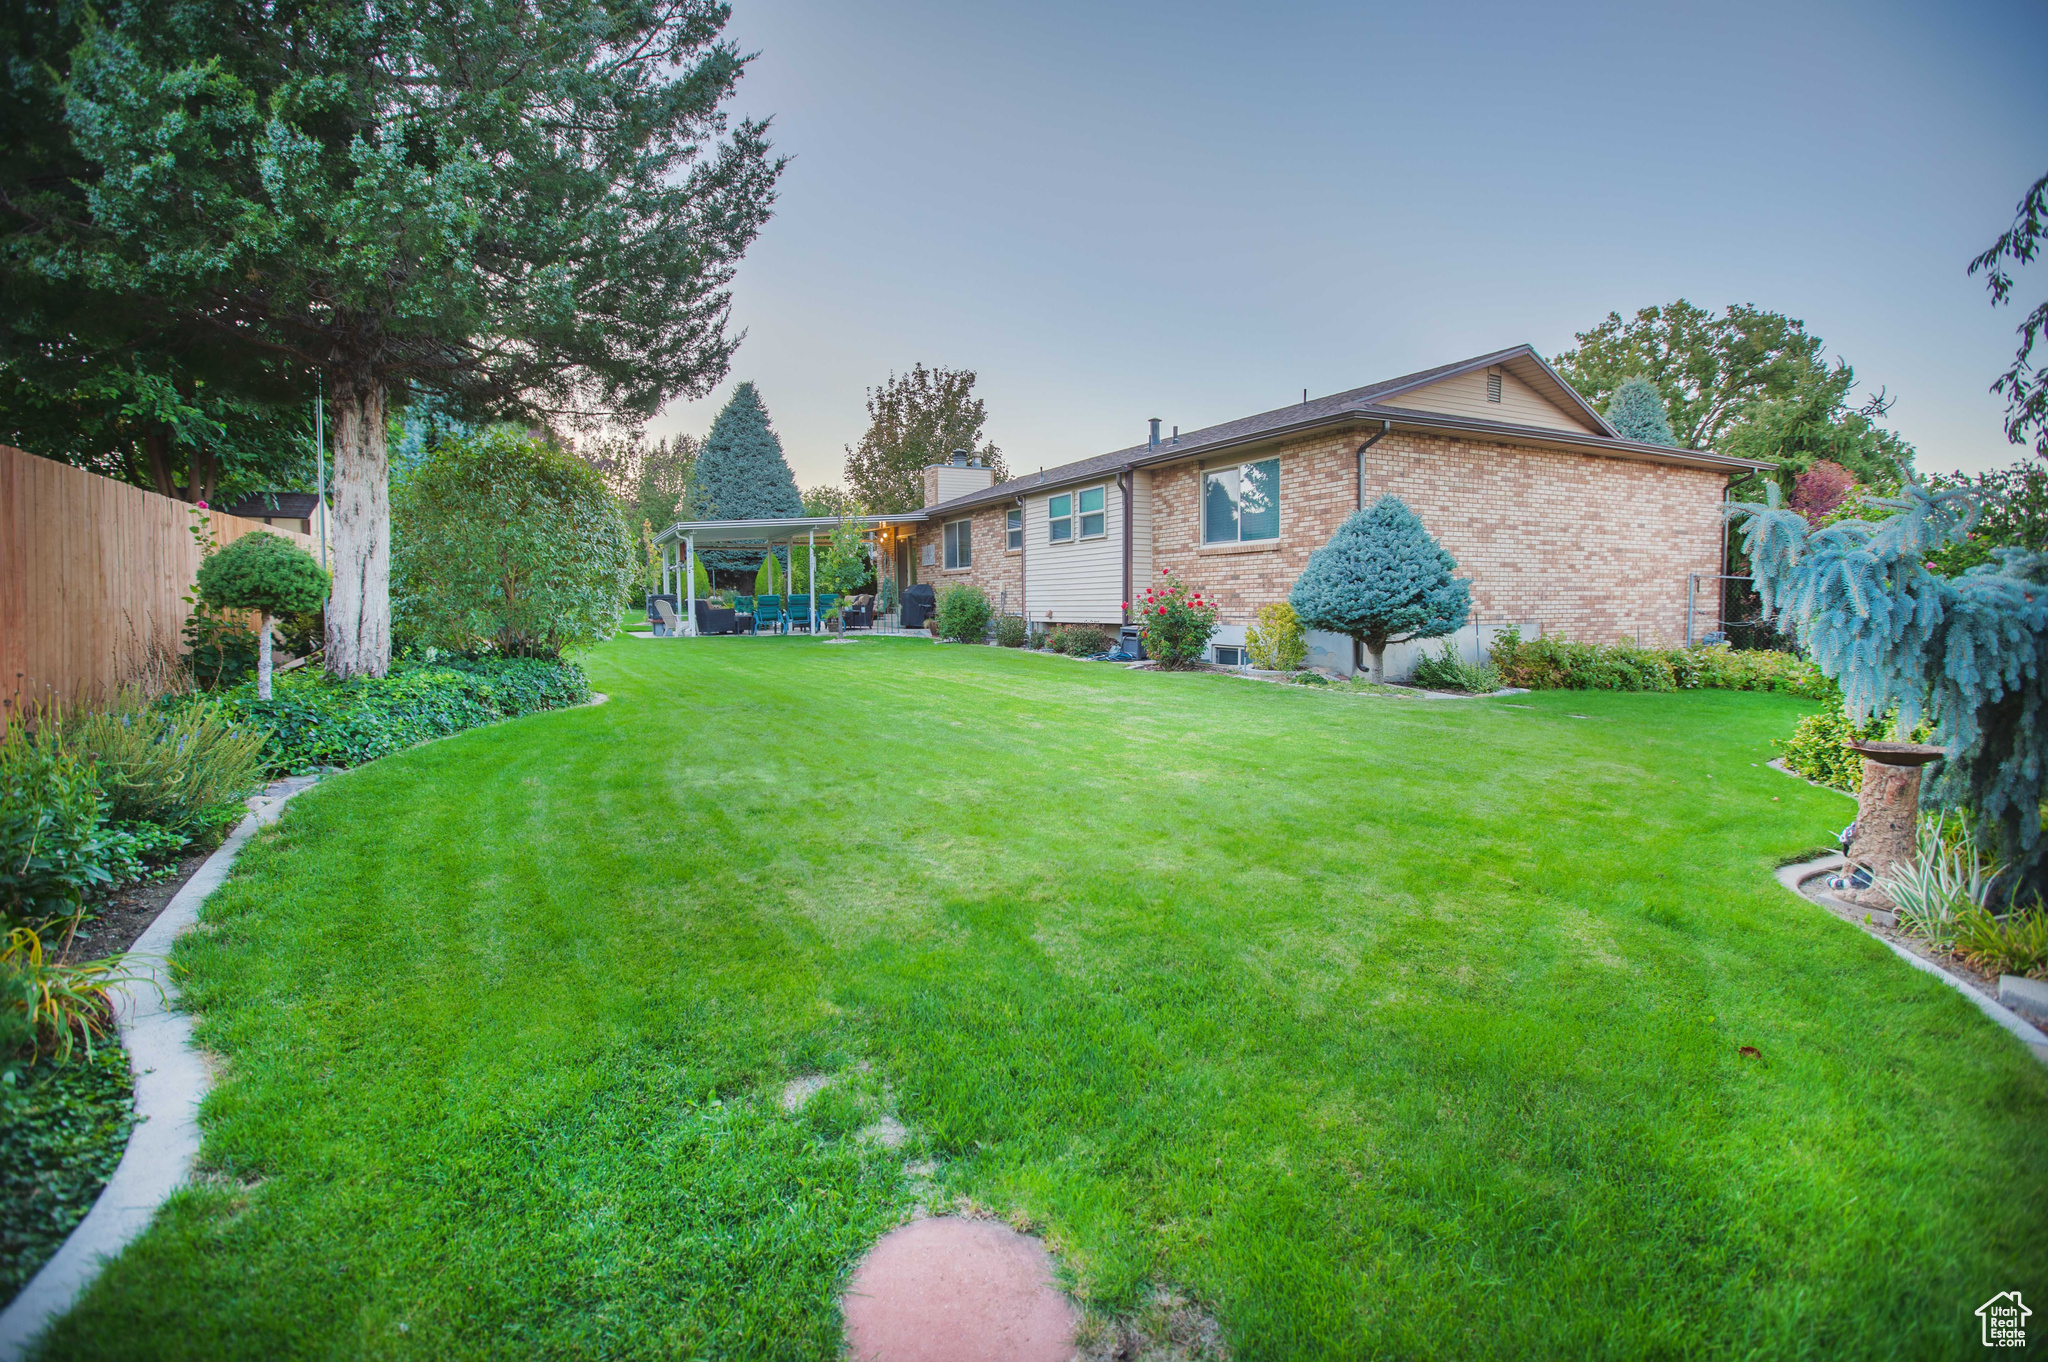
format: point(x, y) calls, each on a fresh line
point(1123, 489)
point(1023, 567)
point(1386, 429)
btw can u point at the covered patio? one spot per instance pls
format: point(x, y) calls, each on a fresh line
point(882, 535)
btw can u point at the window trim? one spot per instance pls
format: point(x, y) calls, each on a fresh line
point(1081, 516)
point(952, 538)
point(1237, 505)
point(1052, 520)
point(1013, 530)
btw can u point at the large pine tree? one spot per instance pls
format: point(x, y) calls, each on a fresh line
point(1381, 579)
point(741, 474)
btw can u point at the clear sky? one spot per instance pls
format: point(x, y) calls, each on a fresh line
point(1115, 211)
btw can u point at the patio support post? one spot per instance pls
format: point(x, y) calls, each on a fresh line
point(690, 585)
point(812, 581)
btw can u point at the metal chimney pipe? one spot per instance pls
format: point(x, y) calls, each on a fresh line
point(1155, 433)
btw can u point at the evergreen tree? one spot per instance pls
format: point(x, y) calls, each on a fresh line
point(768, 580)
point(1636, 412)
point(1382, 579)
point(528, 206)
point(1968, 652)
point(741, 474)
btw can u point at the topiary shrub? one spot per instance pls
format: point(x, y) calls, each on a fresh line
point(1011, 631)
point(1382, 579)
point(1175, 622)
point(1276, 639)
point(266, 574)
point(963, 614)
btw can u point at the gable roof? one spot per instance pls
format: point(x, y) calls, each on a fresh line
point(1373, 402)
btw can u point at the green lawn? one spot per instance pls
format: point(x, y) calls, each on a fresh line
point(1384, 1028)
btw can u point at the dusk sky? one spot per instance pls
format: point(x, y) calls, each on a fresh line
point(1191, 211)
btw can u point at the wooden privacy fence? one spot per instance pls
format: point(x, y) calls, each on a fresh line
point(93, 578)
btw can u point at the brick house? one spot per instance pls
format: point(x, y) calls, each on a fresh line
point(1562, 526)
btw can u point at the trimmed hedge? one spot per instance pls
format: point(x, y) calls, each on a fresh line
point(316, 723)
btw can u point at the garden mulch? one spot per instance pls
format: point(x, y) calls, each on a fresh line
point(120, 918)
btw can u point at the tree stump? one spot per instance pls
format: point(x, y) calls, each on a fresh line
point(1887, 812)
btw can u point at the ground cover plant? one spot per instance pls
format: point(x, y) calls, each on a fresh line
point(63, 1128)
point(1332, 1011)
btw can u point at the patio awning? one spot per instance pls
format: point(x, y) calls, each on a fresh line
point(779, 530)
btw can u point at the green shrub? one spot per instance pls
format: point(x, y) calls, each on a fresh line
point(63, 1129)
point(963, 613)
point(1815, 749)
point(1177, 623)
point(1566, 664)
point(1040, 638)
point(1011, 631)
point(1077, 640)
point(315, 722)
point(220, 650)
point(186, 770)
point(1723, 668)
point(55, 847)
point(1276, 639)
point(1448, 671)
point(268, 574)
point(499, 540)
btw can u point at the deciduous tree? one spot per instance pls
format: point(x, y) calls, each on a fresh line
point(2025, 384)
point(916, 420)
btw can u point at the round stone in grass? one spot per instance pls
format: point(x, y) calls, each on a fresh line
point(957, 1290)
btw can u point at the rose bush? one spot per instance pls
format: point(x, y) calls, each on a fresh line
point(1176, 621)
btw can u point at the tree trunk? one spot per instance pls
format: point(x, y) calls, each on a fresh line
point(156, 447)
point(263, 656)
point(1377, 651)
point(359, 611)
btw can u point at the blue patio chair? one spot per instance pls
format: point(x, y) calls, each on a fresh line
point(798, 612)
point(767, 613)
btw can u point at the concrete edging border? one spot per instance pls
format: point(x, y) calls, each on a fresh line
point(171, 1079)
point(1792, 876)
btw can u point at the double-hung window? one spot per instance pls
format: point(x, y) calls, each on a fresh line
point(1013, 529)
point(1089, 503)
point(1241, 504)
point(959, 544)
point(1059, 518)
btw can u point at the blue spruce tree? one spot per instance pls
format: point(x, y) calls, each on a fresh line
point(1636, 411)
point(741, 474)
point(1969, 652)
point(1381, 579)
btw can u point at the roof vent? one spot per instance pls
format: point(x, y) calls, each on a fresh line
point(1493, 385)
point(959, 458)
point(1154, 442)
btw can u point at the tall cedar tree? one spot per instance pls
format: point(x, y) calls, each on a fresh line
point(741, 474)
point(525, 206)
point(1382, 579)
point(2025, 384)
point(1636, 411)
point(916, 420)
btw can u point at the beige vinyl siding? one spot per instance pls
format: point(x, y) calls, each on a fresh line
point(1465, 395)
point(1141, 528)
point(1079, 582)
point(949, 482)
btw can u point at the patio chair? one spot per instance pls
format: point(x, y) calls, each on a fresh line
point(798, 612)
point(768, 613)
point(858, 612)
point(671, 624)
point(716, 619)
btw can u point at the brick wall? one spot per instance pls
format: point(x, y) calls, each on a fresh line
point(1582, 546)
point(995, 571)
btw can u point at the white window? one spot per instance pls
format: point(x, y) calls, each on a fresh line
point(1059, 518)
point(1091, 502)
point(1228, 656)
point(1013, 529)
point(1242, 503)
point(959, 544)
